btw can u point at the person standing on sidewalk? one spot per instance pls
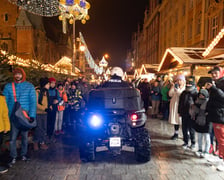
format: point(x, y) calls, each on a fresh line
point(176, 89)
point(186, 100)
point(61, 107)
point(26, 96)
point(215, 108)
point(54, 98)
point(42, 108)
point(4, 125)
point(201, 124)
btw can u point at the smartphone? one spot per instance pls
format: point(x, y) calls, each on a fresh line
point(176, 86)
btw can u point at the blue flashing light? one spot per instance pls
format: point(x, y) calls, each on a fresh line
point(95, 121)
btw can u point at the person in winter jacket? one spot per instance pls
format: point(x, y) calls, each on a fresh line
point(74, 102)
point(54, 99)
point(201, 123)
point(4, 125)
point(61, 107)
point(155, 96)
point(144, 88)
point(26, 96)
point(215, 108)
point(176, 89)
point(115, 80)
point(42, 106)
point(187, 99)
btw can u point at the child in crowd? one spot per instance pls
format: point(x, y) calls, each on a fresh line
point(201, 125)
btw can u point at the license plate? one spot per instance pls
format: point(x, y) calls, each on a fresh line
point(115, 142)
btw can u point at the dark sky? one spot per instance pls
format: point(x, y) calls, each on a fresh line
point(110, 28)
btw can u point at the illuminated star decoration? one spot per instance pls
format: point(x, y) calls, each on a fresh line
point(73, 10)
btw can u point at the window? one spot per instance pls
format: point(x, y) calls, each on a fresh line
point(190, 4)
point(190, 29)
point(214, 27)
point(198, 25)
point(182, 36)
point(4, 46)
point(6, 17)
point(183, 10)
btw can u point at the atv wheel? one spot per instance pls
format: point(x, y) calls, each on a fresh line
point(87, 151)
point(142, 145)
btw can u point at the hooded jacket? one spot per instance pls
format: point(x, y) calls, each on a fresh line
point(25, 95)
point(4, 118)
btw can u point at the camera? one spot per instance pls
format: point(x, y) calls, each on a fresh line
point(176, 86)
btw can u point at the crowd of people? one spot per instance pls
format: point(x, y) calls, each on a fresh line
point(199, 111)
point(56, 105)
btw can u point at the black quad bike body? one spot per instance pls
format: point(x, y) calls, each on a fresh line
point(114, 121)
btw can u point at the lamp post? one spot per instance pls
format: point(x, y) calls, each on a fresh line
point(73, 10)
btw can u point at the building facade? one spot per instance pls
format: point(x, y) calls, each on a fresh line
point(171, 23)
point(30, 36)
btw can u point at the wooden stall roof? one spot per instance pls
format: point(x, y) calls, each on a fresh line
point(176, 57)
point(149, 68)
point(216, 47)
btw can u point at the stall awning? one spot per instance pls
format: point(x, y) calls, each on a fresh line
point(216, 47)
point(149, 68)
point(177, 57)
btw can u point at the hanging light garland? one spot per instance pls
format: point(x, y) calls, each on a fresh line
point(47, 8)
point(73, 10)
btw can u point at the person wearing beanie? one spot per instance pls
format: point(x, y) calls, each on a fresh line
point(186, 100)
point(26, 96)
point(201, 124)
point(215, 109)
point(54, 99)
point(39, 139)
point(175, 90)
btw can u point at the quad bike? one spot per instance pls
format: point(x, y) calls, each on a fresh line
point(114, 121)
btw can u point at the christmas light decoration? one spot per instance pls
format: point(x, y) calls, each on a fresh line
point(39, 7)
point(73, 10)
point(89, 58)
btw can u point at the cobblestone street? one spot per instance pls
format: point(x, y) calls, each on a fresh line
point(169, 161)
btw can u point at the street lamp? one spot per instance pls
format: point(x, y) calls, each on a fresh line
point(73, 10)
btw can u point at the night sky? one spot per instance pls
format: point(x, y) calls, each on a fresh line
point(110, 28)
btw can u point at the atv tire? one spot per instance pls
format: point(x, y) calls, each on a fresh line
point(142, 144)
point(87, 151)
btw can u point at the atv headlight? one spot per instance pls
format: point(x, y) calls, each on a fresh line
point(96, 121)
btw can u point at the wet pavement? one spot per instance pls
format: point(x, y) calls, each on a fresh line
point(168, 161)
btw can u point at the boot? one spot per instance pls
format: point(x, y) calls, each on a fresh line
point(43, 146)
point(211, 149)
point(35, 146)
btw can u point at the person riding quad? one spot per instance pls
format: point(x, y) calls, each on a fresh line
point(115, 79)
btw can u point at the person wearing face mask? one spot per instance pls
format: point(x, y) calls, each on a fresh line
point(215, 109)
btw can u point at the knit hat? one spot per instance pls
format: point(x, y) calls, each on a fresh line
point(21, 71)
point(204, 92)
point(51, 79)
point(43, 82)
point(180, 77)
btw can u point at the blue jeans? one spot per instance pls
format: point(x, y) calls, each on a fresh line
point(207, 143)
point(24, 141)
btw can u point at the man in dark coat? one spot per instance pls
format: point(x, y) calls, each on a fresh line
point(187, 98)
point(215, 108)
point(116, 79)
